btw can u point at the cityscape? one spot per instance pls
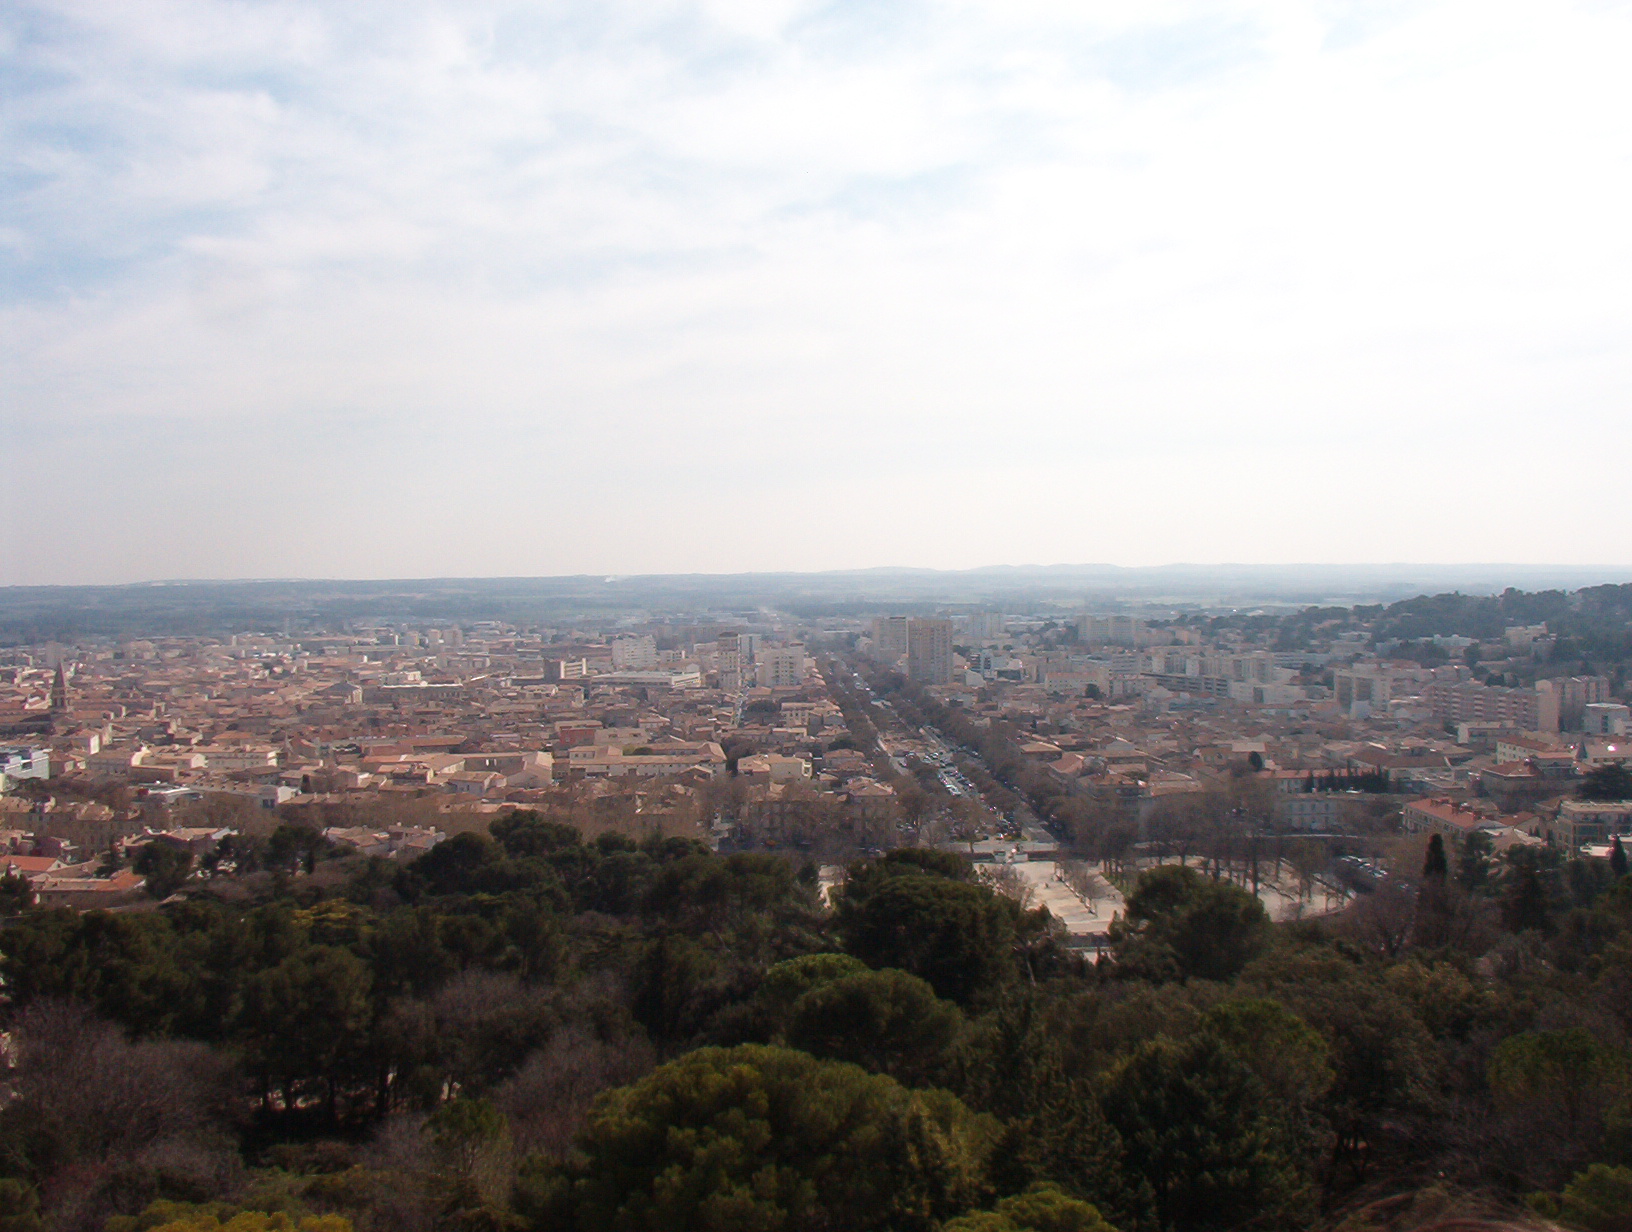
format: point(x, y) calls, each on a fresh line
point(1307, 752)
point(813, 616)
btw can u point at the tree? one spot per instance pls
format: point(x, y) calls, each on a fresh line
point(527, 833)
point(1434, 897)
point(1597, 1200)
point(1473, 863)
point(1179, 925)
point(772, 1139)
point(1557, 1082)
point(1380, 1052)
point(19, 1207)
point(1617, 858)
point(308, 1019)
point(1434, 865)
point(1199, 1131)
point(792, 978)
point(955, 935)
point(165, 867)
point(164, 1216)
point(1042, 1208)
point(1286, 1054)
point(1612, 781)
point(16, 894)
point(84, 1098)
point(472, 1141)
point(888, 1022)
point(1524, 905)
point(293, 846)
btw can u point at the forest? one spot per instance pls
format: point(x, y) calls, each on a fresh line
point(525, 1030)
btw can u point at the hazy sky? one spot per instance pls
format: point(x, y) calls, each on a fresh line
point(403, 289)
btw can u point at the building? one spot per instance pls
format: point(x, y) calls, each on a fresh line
point(238, 757)
point(609, 761)
point(22, 762)
point(522, 768)
point(634, 654)
point(773, 768)
point(890, 637)
point(728, 661)
point(1463, 701)
point(982, 626)
point(1605, 719)
point(196, 841)
point(929, 651)
point(1580, 822)
point(780, 667)
point(1575, 694)
point(115, 763)
point(682, 678)
point(1557, 760)
point(1440, 815)
point(1316, 811)
point(1367, 688)
point(1109, 630)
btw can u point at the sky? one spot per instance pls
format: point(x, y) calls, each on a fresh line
point(403, 289)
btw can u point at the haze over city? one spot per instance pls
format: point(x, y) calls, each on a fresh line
point(414, 289)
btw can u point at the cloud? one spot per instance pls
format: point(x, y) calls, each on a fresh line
point(634, 286)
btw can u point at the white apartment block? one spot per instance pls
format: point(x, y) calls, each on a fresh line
point(637, 654)
point(780, 667)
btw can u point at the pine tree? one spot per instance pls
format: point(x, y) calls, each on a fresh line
point(1433, 865)
point(1617, 858)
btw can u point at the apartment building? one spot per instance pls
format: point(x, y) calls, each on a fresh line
point(1367, 688)
point(889, 637)
point(1580, 822)
point(1462, 701)
point(929, 651)
point(634, 654)
point(1109, 630)
point(1575, 694)
point(1606, 719)
point(780, 667)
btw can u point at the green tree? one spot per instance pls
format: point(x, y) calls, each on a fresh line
point(1562, 1080)
point(1612, 781)
point(1200, 1132)
point(308, 1018)
point(887, 1021)
point(956, 935)
point(165, 867)
point(1473, 860)
point(1381, 1054)
point(1042, 1208)
point(19, 1207)
point(463, 1129)
point(1286, 1054)
point(1597, 1200)
point(167, 1216)
point(1180, 925)
point(1434, 865)
point(774, 1140)
point(525, 833)
point(792, 978)
point(1617, 858)
point(1524, 903)
point(16, 894)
